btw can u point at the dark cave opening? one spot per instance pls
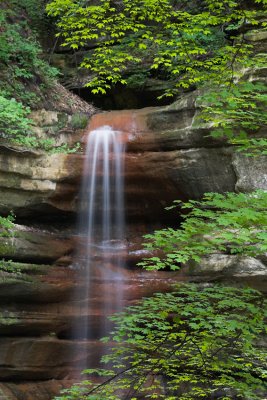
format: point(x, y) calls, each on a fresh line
point(121, 98)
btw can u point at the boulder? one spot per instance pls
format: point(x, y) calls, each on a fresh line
point(251, 172)
point(233, 269)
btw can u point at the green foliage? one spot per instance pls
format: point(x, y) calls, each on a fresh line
point(11, 272)
point(185, 44)
point(233, 223)
point(16, 127)
point(237, 112)
point(188, 44)
point(79, 121)
point(25, 78)
point(63, 148)
point(35, 12)
point(189, 344)
point(14, 121)
point(21, 65)
point(7, 225)
point(137, 79)
point(8, 267)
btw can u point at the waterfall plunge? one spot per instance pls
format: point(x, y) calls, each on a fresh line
point(102, 231)
point(103, 189)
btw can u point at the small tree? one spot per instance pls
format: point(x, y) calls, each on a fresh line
point(189, 344)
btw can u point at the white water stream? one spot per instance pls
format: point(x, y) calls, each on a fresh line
point(101, 229)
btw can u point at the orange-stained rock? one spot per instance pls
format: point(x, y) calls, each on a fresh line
point(168, 156)
point(166, 148)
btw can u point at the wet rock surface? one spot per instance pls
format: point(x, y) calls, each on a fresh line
point(169, 156)
point(166, 148)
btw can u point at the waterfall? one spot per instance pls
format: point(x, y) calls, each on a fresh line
point(102, 189)
point(101, 233)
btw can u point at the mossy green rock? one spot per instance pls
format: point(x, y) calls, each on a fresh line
point(32, 245)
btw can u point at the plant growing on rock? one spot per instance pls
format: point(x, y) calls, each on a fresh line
point(22, 66)
point(6, 225)
point(237, 113)
point(233, 223)
point(23, 73)
point(79, 121)
point(14, 121)
point(16, 129)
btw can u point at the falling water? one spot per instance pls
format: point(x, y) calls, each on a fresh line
point(105, 265)
point(101, 231)
point(102, 192)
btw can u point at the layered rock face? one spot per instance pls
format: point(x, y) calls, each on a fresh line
point(41, 189)
point(169, 156)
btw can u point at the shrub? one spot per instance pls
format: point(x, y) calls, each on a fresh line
point(79, 121)
point(14, 121)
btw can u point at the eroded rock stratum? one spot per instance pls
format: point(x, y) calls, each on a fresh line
point(169, 156)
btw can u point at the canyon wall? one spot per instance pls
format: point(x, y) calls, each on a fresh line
point(170, 155)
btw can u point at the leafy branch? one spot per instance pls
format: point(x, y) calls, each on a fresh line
point(232, 223)
point(183, 44)
point(237, 113)
point(199, 324)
